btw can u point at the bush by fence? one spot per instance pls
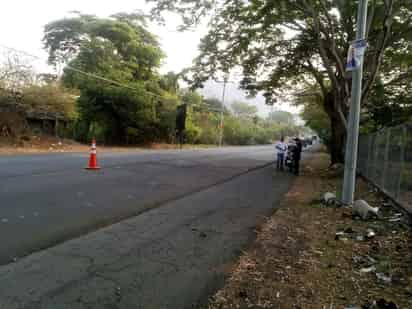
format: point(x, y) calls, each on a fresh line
point(385, 158)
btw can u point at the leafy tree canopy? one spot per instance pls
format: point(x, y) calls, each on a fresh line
point(170, 82)
point(215, 104)
point(114, 62)
point(123, 37)
point(289, 45)
point(314, 116)
point(244, 110)
point(50, 98)
point(281, 117)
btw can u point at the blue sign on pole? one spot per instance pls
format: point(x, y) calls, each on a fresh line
point(355, 54)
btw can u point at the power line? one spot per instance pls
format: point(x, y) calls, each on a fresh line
point(92, 75)
point(110, 81)
point(114, 82)
point(21, 51)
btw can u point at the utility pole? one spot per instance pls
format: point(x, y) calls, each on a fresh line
point(221, 112)
point(349, 180)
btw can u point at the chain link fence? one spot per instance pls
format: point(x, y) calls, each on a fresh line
point(385, 158)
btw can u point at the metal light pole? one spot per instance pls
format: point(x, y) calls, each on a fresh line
point(221, 112)
point(349, 180)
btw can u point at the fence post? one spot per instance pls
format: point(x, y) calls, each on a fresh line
point(368, 162)
point(386, 158)
point(402, 161)
point(375, 156)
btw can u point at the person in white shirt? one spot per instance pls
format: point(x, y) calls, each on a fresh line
point(281, 149)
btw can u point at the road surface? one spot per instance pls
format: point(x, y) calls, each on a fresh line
point(191, 211)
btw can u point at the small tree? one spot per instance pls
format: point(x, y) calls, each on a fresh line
point(51, 98)
point(16, 72)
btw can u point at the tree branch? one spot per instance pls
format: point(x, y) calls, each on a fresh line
point(401, 77)
point(322, 48)
point(333, 49)
point(317, 75)
point(377, 60)
point(341, 115)
point(370, 18)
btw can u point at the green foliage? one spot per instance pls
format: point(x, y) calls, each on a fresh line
point(132, 135)
point(81, 130)
point(244, 110)
point(166, 117)
point(193, 133)
point(122, 37)
point(314, 115)
point(388, 106)
point(241, 131)
point(170, 82)
point(50, 98)
point(98, 131)
point(208, 121)
point(238, 132)
point(287, 46)
point(214, 104)
point(138, 106)
point(281, 117)
point(113, 62)
point(242, 126)
point(191, 98)
point(115, 109)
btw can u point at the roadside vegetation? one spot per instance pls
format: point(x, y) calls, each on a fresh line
point(110, 89)
point(299, 48)
point(313, 255)
point(109, 85)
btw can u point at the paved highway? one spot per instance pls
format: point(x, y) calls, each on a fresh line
point(190, 213)
point(45, 199)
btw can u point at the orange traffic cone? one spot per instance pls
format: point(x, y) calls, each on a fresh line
point(93, 157)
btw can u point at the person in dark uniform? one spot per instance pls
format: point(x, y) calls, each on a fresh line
point(297, 154)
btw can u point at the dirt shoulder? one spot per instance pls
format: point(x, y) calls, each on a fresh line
point(50, 144)
point(311, 256)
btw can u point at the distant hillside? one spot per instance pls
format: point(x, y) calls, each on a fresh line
point(233, 93)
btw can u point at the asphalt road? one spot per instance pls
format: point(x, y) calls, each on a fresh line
point(191, 213)
point(46, 199)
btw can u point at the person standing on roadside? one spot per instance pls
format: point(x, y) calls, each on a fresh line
point(281, 149)
point(297, 154)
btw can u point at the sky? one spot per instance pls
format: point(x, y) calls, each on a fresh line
point(22, 23)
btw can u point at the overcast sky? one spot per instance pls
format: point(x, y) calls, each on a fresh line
point(22, 22)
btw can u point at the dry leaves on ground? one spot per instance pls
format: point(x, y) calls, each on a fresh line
point(311, 256)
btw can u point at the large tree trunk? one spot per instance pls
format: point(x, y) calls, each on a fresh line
point(338, 137)
point(338, 131)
